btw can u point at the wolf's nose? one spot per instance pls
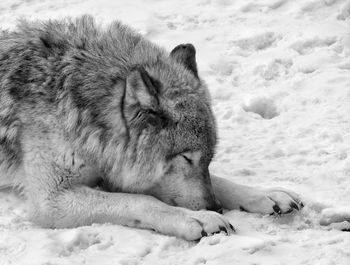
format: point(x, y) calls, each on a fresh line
point(216, 207)
point(220, 210)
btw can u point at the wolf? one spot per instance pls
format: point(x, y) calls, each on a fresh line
point(100, 125)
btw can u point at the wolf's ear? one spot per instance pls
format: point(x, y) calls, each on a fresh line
point(186, 54)
point(141, 88)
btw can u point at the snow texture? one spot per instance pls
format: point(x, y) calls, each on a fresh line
point(279, 75)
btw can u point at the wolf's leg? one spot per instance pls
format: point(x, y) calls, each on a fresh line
point(255, 200)
point(59, 200)
point(82, 206)
point(76, 206)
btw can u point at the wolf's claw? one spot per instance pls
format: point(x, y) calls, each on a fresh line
point(294, 206)
point(222, 228)
point(203, 233)
point(277, 209)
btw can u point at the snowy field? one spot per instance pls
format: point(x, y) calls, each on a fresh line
point(279, 74)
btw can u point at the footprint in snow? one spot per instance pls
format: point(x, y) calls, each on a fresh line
point(309, 46)
point(257, 42)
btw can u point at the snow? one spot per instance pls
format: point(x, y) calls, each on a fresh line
point(261, 105)
point(279, 75)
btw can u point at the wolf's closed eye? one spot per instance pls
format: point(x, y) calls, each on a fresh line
point(189, 160)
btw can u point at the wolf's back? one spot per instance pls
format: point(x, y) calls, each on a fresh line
point(42, 63)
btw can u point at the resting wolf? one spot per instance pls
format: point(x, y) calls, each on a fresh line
point(100, 125)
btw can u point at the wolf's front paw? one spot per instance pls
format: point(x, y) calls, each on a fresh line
point(197, 224)
point(272, 201)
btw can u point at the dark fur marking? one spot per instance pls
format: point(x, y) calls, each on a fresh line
point(122, 112)
point(137, 222)
point(10, 152)
point(73, 160)
point(169, 170)
point(151, 83)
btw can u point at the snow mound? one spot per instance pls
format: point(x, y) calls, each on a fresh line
point(308, 46)
point(257, 42)
point(344, 13)
point(261, 105)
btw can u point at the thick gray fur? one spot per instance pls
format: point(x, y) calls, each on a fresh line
point(97, 124)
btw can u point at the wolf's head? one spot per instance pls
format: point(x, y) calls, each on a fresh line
point(138, 114)
point(171, 130)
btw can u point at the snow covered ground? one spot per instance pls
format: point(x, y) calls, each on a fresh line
point(279, 74)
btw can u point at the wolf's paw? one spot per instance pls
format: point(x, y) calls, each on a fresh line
point(335, 215)
point(273, 201)
point(197, 224)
